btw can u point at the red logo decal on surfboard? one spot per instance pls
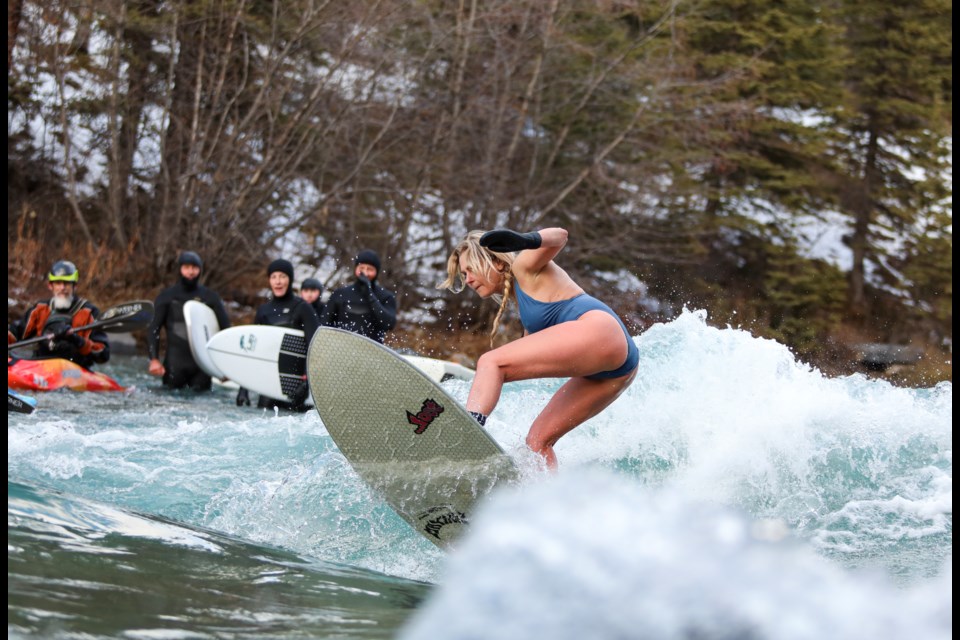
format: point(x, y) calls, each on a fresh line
point(427, 414)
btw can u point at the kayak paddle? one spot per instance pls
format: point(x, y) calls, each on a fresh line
point(123, 318)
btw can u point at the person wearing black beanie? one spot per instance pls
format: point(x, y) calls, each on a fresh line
point(369, 257)
point(178, 368)
point(311, 290)
point(282, 266)
point(363, 307)
point(284, 309)
point(190, 257)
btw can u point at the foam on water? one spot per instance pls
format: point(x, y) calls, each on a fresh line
point(719, 416)
point(591, 555)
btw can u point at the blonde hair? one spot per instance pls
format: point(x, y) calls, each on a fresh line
point(480, 260)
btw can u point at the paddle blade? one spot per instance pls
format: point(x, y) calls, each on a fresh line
point(123, 318)
point(126, 317)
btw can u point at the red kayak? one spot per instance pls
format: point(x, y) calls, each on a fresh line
point(56, 373)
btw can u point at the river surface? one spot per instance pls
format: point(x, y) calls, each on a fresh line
point(731, 492)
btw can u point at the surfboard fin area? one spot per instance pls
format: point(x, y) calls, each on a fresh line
point(403, 434)
point(438, 497)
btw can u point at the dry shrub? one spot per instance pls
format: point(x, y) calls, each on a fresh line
point(27, 267)
point(105, 274)
point(934, 366)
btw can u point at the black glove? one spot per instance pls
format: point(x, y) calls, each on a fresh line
point(60, 333)
point(243, 397)
point(299, 395)
point(506, 241)
point(63, 334)
point(366, 287)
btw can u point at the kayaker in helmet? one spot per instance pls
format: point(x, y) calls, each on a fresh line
point(60, 316)
point(178, 368)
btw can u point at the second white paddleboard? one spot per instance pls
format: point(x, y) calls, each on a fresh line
point(261, 358)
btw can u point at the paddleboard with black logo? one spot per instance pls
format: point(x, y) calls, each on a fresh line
point(404, 435)
point(262, 358)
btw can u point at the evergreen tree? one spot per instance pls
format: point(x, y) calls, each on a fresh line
point(899, 85)
point(774, 71)
point(774, 67)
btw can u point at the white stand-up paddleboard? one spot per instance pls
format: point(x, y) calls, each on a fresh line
point(264, 359)
point(440, 370)
point(202, 324)
point(403, 434)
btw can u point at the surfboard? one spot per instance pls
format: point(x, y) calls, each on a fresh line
point(202, 324)
point(403, 434)
point(440, 370)
point(261, 358)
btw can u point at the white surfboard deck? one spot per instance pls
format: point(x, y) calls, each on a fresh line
point(440, 370)
point(409, 440)
point(202, 324)
point(261, 358)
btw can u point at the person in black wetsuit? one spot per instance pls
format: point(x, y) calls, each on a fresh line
point(310, 291)
point(363, 307)
point(61, 315)
point(284, 310)
point(178, 368)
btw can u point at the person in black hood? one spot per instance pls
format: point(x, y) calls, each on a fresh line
point(284, 309)
point(178, 368)
point(311, 290)
point(363, 307)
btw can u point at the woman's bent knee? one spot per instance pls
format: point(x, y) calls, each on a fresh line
point(487, 359)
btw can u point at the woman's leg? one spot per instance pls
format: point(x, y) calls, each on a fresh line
point(573, 404)
point(592, 343)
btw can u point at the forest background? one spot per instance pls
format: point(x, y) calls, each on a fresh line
point(696, 151)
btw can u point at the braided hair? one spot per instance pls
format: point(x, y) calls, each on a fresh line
point(480, 260)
